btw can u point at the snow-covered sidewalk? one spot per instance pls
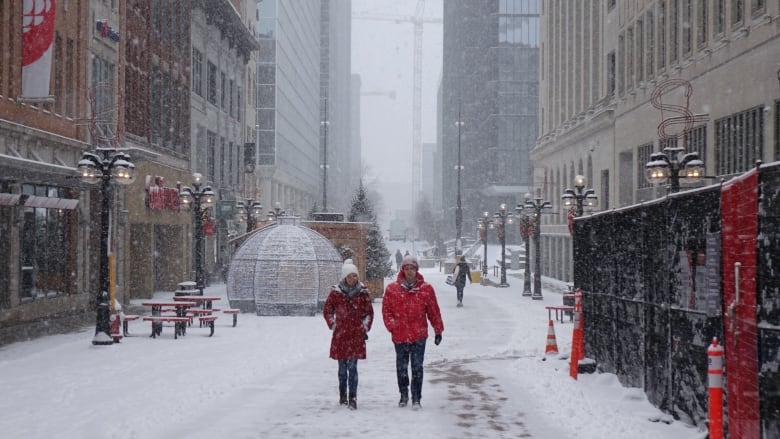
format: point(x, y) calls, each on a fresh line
point(270, 377)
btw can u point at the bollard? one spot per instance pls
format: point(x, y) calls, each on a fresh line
point(715, 382)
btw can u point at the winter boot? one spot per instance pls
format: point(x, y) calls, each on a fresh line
point(343, 396)
point(404, 400)
point(352, 402)
point(416, 404)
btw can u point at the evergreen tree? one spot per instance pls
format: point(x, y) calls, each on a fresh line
point(378, 263)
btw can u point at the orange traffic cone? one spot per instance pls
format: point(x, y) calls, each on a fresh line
point(552, 345)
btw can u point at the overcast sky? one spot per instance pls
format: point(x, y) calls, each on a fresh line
point(383, 55)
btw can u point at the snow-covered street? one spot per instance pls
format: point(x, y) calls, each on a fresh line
point(270, 377)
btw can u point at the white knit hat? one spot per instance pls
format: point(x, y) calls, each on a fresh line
point(348, 268)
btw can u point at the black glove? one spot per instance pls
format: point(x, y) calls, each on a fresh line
point(366, 336)
point(437, 339)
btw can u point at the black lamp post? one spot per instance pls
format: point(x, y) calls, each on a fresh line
point(276, 212)
point(458, 209)
point(579, 198)
point(500, 220)
point(249, 212)
point(665, 166)
point(200, 200)
point(526, 230)
point(102, 169)
point(483, 224)
point(535, 206)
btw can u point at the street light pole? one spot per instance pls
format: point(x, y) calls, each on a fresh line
point(501, 218)
point(325, 123)
point(536, 206)
point(252, 209)
point(484, 223)
point(93, 169)
point(526, 230)
point(276, 212)
point(579, 198)
point(459, 209)
point(665, 166)
point(200, 199)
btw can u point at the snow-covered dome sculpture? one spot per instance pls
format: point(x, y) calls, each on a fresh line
point(284, 269)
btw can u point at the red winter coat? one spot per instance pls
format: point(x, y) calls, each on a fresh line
point(406, 313)
point(350, 318)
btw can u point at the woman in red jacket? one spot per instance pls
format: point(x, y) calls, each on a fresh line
point(349, 314)
point(408, 305)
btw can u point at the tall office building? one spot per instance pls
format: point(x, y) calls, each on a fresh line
point(295, 86)
point(489, 84)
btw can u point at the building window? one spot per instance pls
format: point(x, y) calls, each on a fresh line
point(739, 141)
point(239, 108)
point(621, 64)
point(737, 12)
point(720, 17)
point(211, 86)
point(757, 7)
point(45, 239)
point(777, 130)
point(650, 38)
point(696, 141)
point(155, 105)
point(611, 73)
point(662, 35)
point(640, 51)
point(59, 92)
point(702, 23)
point(231, 100)
point(611, 4)
point(70, 84)
point(674, 31)
point(222, 159)
point(642, 157)
point(211, 153)
point(687, 34)
point(197, 72)
point(223, 90)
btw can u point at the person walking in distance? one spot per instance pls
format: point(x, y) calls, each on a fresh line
point(461, 272)
point(398, 258)
point(349, 314)
point(408, 305)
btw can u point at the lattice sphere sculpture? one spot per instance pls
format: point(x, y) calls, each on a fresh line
point(283, 270)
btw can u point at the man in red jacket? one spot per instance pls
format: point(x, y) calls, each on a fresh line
point(408, 305)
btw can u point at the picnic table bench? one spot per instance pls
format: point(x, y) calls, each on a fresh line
point(157, 322)
point(208, 320)
point(235, 314)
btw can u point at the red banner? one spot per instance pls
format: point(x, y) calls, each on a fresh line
point(37, 38)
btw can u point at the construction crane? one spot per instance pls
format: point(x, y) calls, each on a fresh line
point(417, 20)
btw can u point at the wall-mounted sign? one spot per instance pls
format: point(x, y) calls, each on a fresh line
point(160, 197)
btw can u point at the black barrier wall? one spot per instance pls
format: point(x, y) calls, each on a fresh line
point(768, 287)
point(650, 276)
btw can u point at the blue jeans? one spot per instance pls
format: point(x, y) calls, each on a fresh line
point(348, 375)
point(404, 354)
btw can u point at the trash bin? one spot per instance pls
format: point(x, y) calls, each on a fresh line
point(476, 276)
point(187, 288)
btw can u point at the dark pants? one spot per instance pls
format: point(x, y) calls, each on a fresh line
point(348, 376)
point(459, 289)
point(404, 354)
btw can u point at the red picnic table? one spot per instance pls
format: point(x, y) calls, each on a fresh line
point(180, 319)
